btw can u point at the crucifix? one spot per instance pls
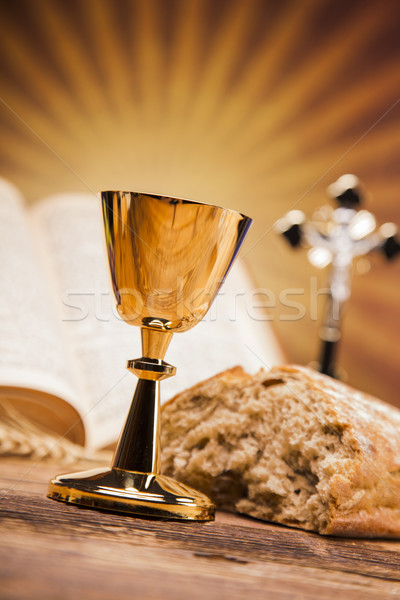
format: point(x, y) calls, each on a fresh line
point(336, 236)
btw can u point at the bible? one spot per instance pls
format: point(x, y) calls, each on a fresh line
point(63, 347)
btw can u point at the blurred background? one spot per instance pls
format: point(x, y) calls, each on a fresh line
point(256, 105)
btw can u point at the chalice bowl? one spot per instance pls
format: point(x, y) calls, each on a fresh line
point(168, 258)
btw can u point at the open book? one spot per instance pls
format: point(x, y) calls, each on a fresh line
point(63, 347)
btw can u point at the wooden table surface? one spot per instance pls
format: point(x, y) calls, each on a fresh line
point(255, 105)
point(53, 550)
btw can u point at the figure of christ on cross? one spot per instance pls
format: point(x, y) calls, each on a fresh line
point(335, 237)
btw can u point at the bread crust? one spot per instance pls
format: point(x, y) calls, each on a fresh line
point(362, 500)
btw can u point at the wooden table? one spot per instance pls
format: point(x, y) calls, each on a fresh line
point(53, 550)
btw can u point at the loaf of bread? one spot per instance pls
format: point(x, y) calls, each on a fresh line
point(291, 446)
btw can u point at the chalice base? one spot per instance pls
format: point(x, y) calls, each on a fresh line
point(130, 492)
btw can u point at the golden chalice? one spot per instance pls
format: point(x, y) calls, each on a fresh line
point(168, 258)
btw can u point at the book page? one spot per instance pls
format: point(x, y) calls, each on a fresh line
point(70, 229)
point(32, 354)
point(235, 331)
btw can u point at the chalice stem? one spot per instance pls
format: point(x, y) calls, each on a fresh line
point(138, 448)
point(139, 444)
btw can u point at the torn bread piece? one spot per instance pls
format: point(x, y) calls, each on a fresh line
point(291, 446)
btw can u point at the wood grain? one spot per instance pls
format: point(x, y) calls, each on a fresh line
point(50, 549)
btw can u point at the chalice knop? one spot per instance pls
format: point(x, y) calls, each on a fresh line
point(168, 258)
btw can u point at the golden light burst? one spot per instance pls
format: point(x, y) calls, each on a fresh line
point(252, 104)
